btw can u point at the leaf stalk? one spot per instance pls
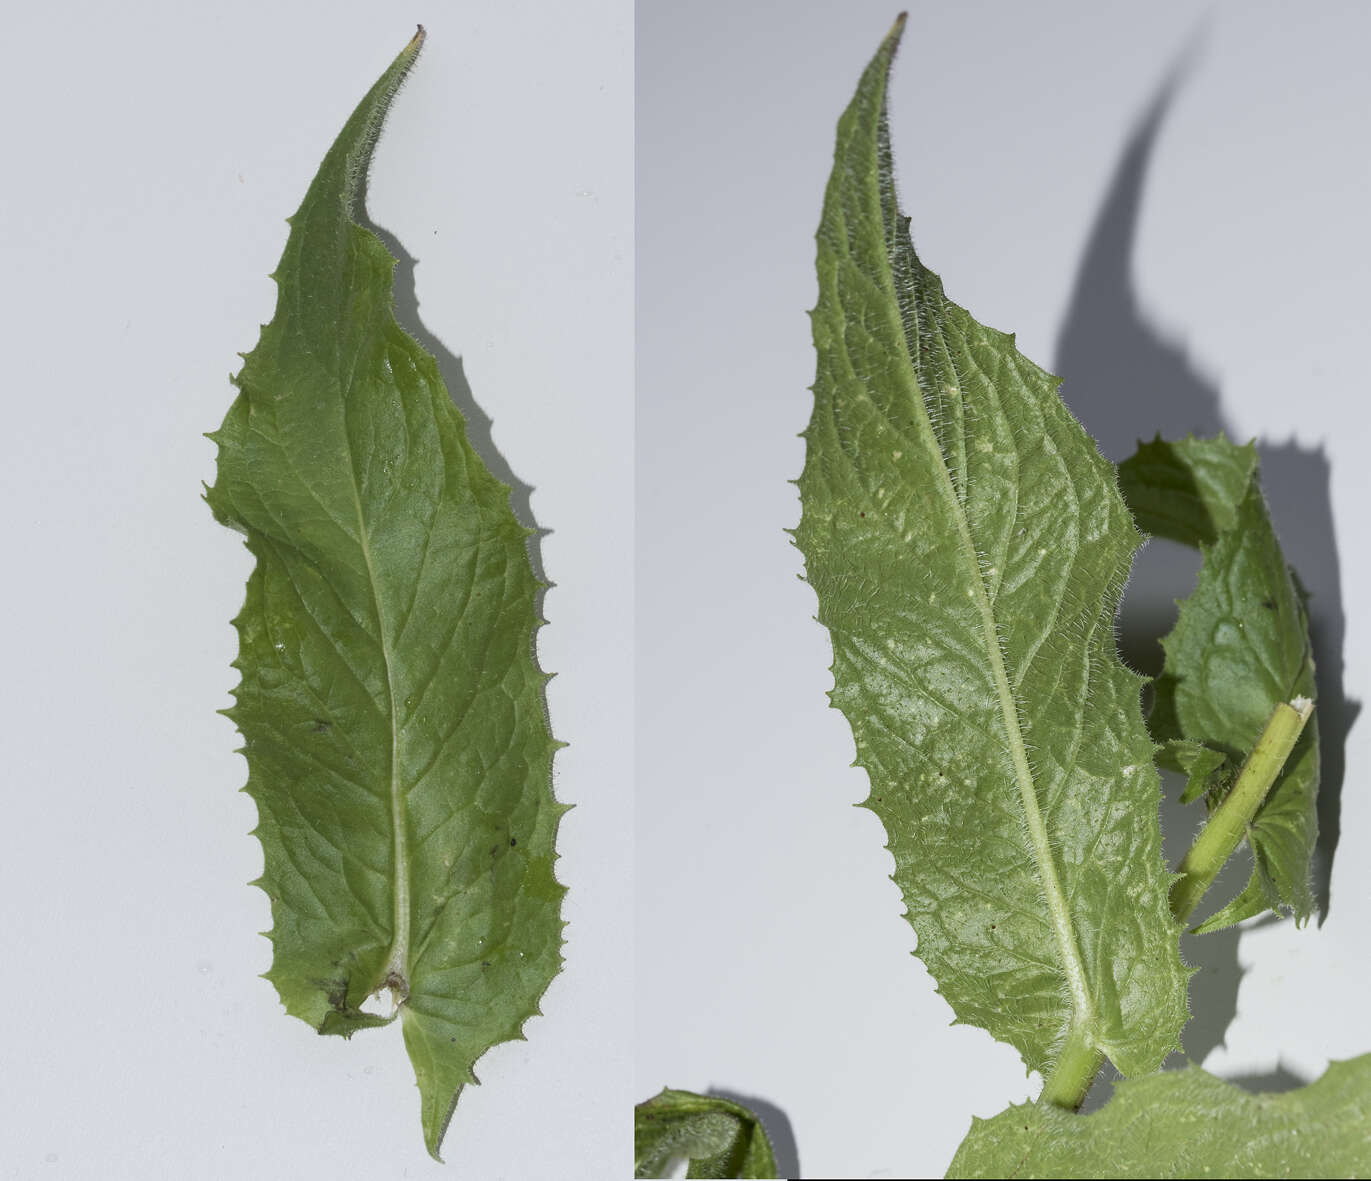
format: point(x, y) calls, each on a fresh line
point(1228, 824)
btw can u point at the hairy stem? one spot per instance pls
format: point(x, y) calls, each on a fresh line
point(1077, 1066)
point(1228, 824)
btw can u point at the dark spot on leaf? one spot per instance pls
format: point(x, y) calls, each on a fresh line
point(861, 514)
point(485, 963)
point(319, 726)
point(512, 842)
point(1268, 604)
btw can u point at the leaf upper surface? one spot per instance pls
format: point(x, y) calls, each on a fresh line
point(1240, 646)
point(967, 544)
point(1185, 1123)
point(719, 1137)
point(392, 710)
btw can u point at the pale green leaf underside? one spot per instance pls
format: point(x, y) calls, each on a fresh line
point(1185, 1123)
point(1240, 646)
point(397, 744)
point(720, 1138)
point(967, 544)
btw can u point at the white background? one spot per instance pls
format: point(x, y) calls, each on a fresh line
point(152, 154)
point(773, 961)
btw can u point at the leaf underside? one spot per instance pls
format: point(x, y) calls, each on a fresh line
point(391, 707)
point(720, 1138)
point(967, 544)
point(1240, 646)
point(1185, 1123)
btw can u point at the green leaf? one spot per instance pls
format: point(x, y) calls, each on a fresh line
point(1185, 1123)
point(1240, 646)
point(720, 1138)
point(1189, 491)
point(967, 544)
point(1204, 767)
point(392, 710)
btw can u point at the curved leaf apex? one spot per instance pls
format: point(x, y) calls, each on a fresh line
point(344, 169)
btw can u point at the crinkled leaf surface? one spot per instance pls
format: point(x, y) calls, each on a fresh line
point(967, 544)
point(1185, 1123)
point(1240, 646)
point(397, 744)
point(720, 1138)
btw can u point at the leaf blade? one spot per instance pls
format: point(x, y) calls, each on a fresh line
point(1184, 1123)
point(936, 464)
point(397, 744)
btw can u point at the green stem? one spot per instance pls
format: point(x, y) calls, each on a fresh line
point(1077, 1066)
point(1228, 824)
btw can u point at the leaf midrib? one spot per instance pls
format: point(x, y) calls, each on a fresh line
point(397, 959)
point(1057, 906)
point(1060, 914)
point(396, 964)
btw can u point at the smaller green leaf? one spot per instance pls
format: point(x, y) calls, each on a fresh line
point(1204, 767)
point(1240, 647)
point(1185, 1123)
point(1261, 893)
point(1190, 490)
point(720, 1138)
